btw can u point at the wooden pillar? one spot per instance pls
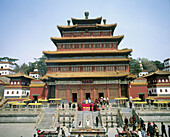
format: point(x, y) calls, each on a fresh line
point(119, 88)
point(68, 93)
point(107, 94)
point(94, 93)
point(81, 94)
point(56, 91)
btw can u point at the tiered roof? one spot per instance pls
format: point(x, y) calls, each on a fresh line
point(158, 72)
point(19, 75)
point(87, 39)
point(84, 52)
point(114, 74)
point(88, 60)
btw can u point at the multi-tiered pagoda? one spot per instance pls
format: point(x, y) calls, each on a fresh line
point(87, 62)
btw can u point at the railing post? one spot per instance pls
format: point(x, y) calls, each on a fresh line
point(106, 120)
point(63, 119)
point(69, 120)
point(111, 120)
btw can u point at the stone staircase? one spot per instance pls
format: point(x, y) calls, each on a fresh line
point(126, 112)
point(48, 119)
point(84, 115)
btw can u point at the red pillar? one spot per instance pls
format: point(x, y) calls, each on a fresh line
point(56, 93)
point(68, 93)
point(119, 86)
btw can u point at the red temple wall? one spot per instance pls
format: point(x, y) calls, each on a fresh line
point(138, 89)
point(42, 91)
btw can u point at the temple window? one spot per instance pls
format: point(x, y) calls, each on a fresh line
point(107, 45)
point(166, 90)
point(76, 34)
point(160, 90)
point(17, 92)
point(14, 83)
point(7, 92)
point(96, 34)
point(75, 69)
point(12, 92)
point(65, 69)
point(76, 46)
point(11, 83)
point(86, 34)
point(159, 80)
point(162, 80)
point(166, 80)
point(99, 68)
point(106, 33)
point(86, 46)
point(18, 82)
point(87, 68)
point(59, 46)
point(110, 68)
point(97, 46)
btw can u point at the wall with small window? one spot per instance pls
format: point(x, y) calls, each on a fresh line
point(16, 92)
point(163, 90)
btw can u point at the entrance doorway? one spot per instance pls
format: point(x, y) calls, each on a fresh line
point(74, 97)
point(87, 96)
point(101, 95)
point(124, 90)
point(142, 97)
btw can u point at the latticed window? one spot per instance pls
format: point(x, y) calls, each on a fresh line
point(97, 46)
point(99, 68)
point(76, 46)
point(96, 34)
point(87, 68)
point(110, 68)
point(59, 46)
point(75, 69)
point(64, 69)
point(106, 33)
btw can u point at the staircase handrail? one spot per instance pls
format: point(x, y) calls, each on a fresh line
point(40, 117)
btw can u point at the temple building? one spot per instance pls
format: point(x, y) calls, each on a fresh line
point(18, 86)
point(166, 64)
point(6, 68)
point(35, 74)
point(158, 84)
point(87, 62)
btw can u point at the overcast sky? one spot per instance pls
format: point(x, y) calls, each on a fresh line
point(27, 25)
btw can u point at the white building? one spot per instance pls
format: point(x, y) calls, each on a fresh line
point(143, 73)
point(158, 83)
point(35, 74)
point(6, 68)
point(18, 86)
point(166, 65)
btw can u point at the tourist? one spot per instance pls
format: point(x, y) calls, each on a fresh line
point(134, 119)
point(163, 129)
point(156, 131)
point(70, 104)
point(143, 132)
point(130, 104)
point(150, 130)
point(128, 133)
point(63, 133)
point(154, 125)
point(90, 106)
point(73, 123)
point(58, 127)
point(87, 123)
point(80, 125)
point(63, 105)
point(97, 121)
point(107, 99)
point(139, 133)
point(126, 121)
point(131, 121)
point(141, 122)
